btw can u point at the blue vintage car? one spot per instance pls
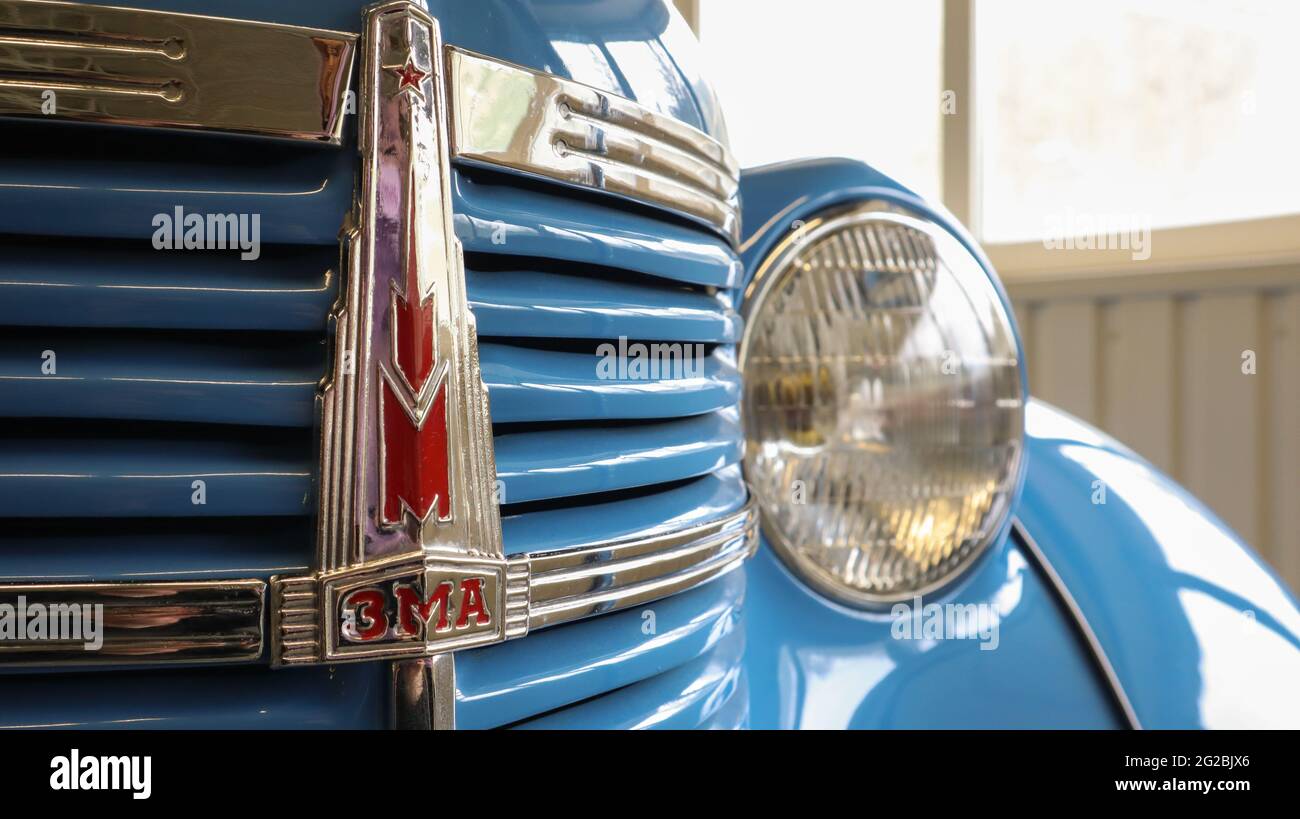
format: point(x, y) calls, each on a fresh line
point(432, 366)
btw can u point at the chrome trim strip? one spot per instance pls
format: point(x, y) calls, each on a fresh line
point(541, 589)
point(508, 116)
point(595, 579)
point(76, 61)
point(217, 621)
point(1081, 622)
point(424, 694)
point(221, 621)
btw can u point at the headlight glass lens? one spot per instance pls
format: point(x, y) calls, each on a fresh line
point(883, 404)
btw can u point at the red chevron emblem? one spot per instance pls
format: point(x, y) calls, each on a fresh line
point(414, 341)
point(415, 462)
point(415, 457)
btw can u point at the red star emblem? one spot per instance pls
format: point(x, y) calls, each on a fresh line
point(408, 76)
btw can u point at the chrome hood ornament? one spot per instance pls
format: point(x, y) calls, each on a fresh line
point(410, 561)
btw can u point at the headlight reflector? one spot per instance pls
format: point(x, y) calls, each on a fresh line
point(884, 406)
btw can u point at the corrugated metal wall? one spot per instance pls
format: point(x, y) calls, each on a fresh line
point(1163, 364)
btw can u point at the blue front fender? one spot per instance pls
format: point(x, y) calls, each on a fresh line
point(1199, 631)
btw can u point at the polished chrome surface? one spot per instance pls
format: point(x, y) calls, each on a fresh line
point(214, 621)
point(594, 579)
point(295, 620)
point(507, 116)
point(424, 694)
point(76, 61)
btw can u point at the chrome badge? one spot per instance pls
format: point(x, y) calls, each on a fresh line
point(410, 560)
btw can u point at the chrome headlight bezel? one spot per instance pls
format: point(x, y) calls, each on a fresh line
point(770, 272)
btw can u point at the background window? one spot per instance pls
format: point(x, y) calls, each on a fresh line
point(1173, 112)
point(830, 78)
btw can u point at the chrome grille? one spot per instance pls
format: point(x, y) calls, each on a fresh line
point(167, 368)
point(561, 430)
point(176, 366)
point(183, 367)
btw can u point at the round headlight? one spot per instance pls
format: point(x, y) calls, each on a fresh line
point(883, 405)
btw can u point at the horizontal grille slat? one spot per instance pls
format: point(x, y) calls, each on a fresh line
point(520, 221)
point(692, 695)
point(131, 285)
point(556, 667)
point(152, 475)
point(232, 698)
point(112, 183)
point(544, 385)
point(558, 463)
point(554, 278)
point(97, 549)
point(266, 379)
point(680, 506)
point(531, 303)
point(145, 474)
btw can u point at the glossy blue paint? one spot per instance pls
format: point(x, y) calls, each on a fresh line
point(691, 695)
point(261, 380)
point(150, 473)
point(698, 501)
point(805, 662)
point(557, 463)
point(233, 698)
point(174, 548)
point(544, 385)
point(129, 285)
point(512, 220)
point(808, 663)
point(533, 304)
point(1200, 632)
point(556, 667)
